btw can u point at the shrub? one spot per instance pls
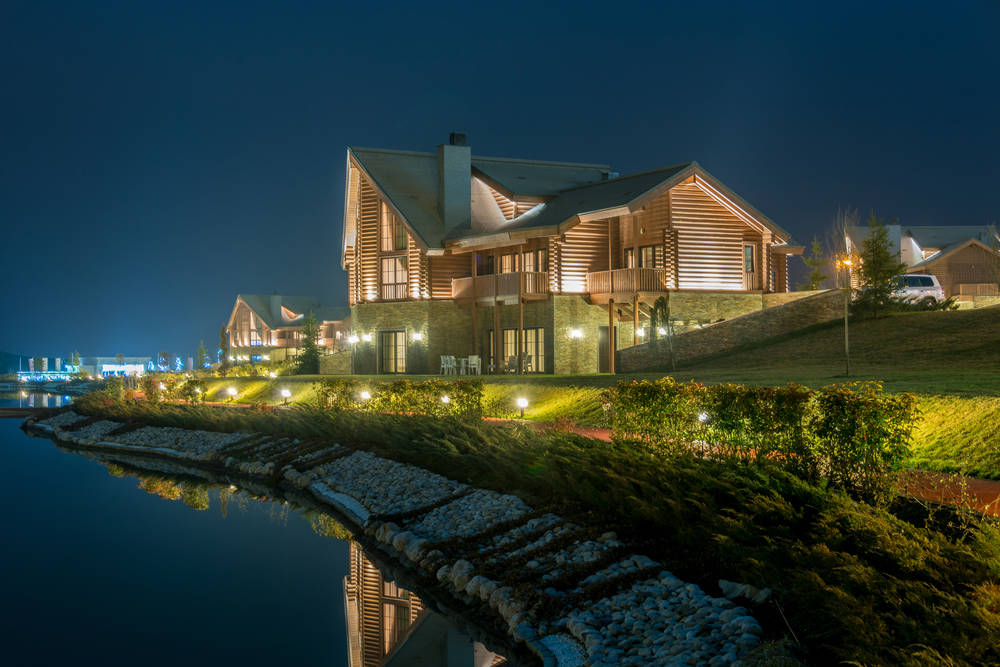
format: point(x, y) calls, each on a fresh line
point(854, 435)
point(464, 397)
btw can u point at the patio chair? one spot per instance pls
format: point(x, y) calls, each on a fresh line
point(447, 364)
point(511, 366)
point(475, 365)
point(527, 364)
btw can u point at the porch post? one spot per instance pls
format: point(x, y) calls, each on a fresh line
point(611, 335)
point(497, 334)
point(635, 318)
point(520, 322)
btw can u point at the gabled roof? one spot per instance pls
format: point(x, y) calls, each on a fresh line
point(260, 304)
point(944, 236)
point(535, 178)
point(941, 254)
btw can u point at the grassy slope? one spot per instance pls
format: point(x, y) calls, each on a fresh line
point(855, 582)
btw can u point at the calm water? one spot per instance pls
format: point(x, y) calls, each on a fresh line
point(96, 571)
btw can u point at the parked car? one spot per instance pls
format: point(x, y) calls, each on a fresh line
point(915, 287)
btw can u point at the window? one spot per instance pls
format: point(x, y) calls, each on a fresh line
point(919, 281)
point(255, 337)
point(393, 232)
point(748, 259)
point(535, 260)
point(396, 619)
point(394, 277)
point(651, 256)
point(532, 345)
point(392, 351)
point(507, 263)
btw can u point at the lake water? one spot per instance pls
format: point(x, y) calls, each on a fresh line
point(95, 570)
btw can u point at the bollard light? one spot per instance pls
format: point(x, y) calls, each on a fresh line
point(272, 374)
point(703, 417)
point(163, 387)
point(286, 394)
point(445, 400)
point(522, 403)
point(365, 396)
point(231, 391)
point(418, 335)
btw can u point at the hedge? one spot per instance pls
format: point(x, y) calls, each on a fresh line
point(436, 397)
point(851, 435)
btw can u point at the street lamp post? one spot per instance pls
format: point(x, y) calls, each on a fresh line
point(846, 263)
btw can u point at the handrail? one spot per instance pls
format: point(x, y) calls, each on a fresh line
point(638, 279)
point(501, 285)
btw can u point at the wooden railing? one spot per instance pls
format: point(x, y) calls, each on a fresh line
point(501, 286)
point(627, 280)
point(393, 291)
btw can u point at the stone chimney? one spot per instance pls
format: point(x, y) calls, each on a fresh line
point(455, 182)
point(276, 306)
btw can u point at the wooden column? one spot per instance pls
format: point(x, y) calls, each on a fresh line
point(611, 336)
point(635, 240)
point(475, 329)
point(635, 319)
point(497, 334)
point(520, 321)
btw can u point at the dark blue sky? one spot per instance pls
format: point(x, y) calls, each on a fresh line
point(159, 158)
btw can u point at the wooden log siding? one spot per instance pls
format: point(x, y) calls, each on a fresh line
point(510, 208)
point(555, 261)
point(443, 268)
point(417, 269)
point(584, 251)
point(368, 248)
point(709, 241)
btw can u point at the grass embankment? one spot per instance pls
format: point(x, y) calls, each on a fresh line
point(854, 582)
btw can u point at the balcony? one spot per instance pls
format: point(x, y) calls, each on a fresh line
point(624, 284)
point(504, 287)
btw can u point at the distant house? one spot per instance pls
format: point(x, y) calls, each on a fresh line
point(268, 327)
point(965, 259)
point(540, 266)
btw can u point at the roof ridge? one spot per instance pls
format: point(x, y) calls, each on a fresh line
point(545, 163)
point(635, 175)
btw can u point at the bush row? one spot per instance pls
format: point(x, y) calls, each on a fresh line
point(852, 435)
point(460, 398)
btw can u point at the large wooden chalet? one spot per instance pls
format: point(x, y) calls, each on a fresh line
point(444, 250)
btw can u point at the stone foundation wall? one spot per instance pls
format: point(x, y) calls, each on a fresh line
point(816, 308)
point(446, 329)
point(337, 363)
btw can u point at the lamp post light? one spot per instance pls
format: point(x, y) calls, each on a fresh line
point(522, 403)
point(286, 394)
point(846, 264)
point(232, 393)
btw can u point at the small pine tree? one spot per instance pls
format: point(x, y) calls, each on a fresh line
point(879, 265)
point(308, 359)
point(224, 350)
point(201, 356)
point(816, 262)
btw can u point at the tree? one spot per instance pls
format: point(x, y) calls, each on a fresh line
point(74, 359)
point(816, 262)
point(879, 265)
point(308, 359)
point(223, 350)
point(845, 220)
point(120, 359)
point(201, 359)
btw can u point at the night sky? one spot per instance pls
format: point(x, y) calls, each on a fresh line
point(159, 158)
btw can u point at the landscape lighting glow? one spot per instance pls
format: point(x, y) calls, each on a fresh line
point(703, 417)
point(522, 403)
point(575, 333)
point(197, 390)
point(365, 396)
point(285, 393)
point(352, 339)
point(417, 335)
point(366, 337)
point(272, 374)
point(162, 387)
point(231, 391)
point(445, 399)
point(640, 333)
point(266, 357)
point(661, 331)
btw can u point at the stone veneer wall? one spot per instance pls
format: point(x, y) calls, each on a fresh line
point(446, 329)
point(336, 363)
point(752, 327)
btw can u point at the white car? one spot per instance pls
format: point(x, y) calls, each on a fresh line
point(916, 287)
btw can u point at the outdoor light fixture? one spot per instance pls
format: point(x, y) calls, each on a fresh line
point(366, 337)
point(522, 403)
point(266, 357)
point(445, 400)
point(703, 417)
point(352, 339)
point(272, 374)
point(640, 332)
point(286, 393)
point(365, 396)
point(231, 391)
point(232, 487)
point(575, 333)
point(162, 387)
point(197, 390)
point(418, 335)
point(661, 331)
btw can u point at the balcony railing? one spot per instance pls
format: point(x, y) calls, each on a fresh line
point(501, 286)
point(393, 291)
point(618, 281)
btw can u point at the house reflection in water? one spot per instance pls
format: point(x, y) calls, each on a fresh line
point(388, 625)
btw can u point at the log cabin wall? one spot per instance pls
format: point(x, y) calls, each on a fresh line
point(584, 250)
point(445, 267)
point(709, 241)
point(970, 265)
point(367, 242)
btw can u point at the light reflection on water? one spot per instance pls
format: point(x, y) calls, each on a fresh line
point(114, 562)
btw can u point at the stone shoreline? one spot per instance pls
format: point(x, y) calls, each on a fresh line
point(415, 516)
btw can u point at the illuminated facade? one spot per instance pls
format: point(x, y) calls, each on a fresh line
point(449, 253)
point(268, 327)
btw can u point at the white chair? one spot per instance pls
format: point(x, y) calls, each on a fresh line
point(527, 365)
point(447, 364)
point(463, 365)
point(512, 364)
point(475, 365)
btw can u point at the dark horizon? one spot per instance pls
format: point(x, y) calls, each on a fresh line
point(160, 160)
